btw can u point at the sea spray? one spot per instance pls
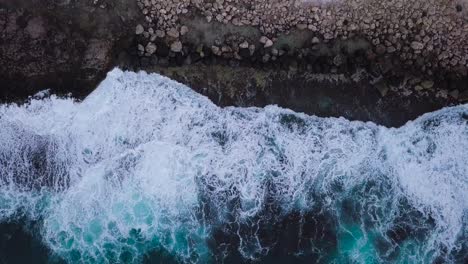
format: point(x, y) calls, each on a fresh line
point(146, 168)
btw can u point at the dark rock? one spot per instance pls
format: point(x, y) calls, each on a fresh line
point(163, 50)
point(67, 46)
point(244, 53)
point(463, 97)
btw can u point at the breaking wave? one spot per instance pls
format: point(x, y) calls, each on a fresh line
point(144, 168)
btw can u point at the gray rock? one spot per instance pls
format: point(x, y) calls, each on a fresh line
point(417, 45)
point(139, 29)
point(301, 26)
point(176, 46)
point(151, 48)
point(160, 33)
point(338, 60)
point(173, 32)
point(216, 50)
point(463, 96)
point(427, 84)
point(382, 87)
point(183, 30)
point(454, 94)
point(264, 39)
point(244, 45)
point(268, 43)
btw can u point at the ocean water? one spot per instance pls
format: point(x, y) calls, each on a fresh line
point(144, 170)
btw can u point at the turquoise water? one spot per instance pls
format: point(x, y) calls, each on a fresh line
point(144, 170)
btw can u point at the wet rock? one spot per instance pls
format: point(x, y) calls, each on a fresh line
point(463, 96)
point(382, 87)
point(454, 94)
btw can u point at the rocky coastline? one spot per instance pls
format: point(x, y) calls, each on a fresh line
point(381, 61)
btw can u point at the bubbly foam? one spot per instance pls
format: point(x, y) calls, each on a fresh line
point(145, 164)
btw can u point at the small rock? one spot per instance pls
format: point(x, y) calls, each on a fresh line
point(315, 40)
point(442, 93)
point(328, 36)
point(301, 26)
point(380, 49)
point(176, 46)
point(139, 29)
point(274, 52)
point(418, 88)
point(454, 94)
point(226, 49)
point(391, 49)
point(216, 50)
point(141, 47)
point(264, 39)
point(172, 32)
point(417, 45)
point(463, 96)
point(160, 33)
point(268, 44)
point(312, 28)
point(427, 84)
point(183, 30)
point(338, 60)
point(266, 58)
point(382, 87)
point(252, 49)
point(151, 48)
point(244, 45)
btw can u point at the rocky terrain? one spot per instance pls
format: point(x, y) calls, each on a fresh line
point(361, 59)
point(61, 44)
point(431, 35)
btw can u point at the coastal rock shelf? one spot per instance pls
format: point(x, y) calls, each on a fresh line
point(402, 51)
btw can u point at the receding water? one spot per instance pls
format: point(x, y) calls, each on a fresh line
point(145, 170)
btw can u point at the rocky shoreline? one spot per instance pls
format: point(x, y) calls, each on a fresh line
point(386, 62)
point(428, 35)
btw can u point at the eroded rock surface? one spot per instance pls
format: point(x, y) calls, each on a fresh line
point(61, 44)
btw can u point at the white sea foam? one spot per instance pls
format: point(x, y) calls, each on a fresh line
point(134, 163)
